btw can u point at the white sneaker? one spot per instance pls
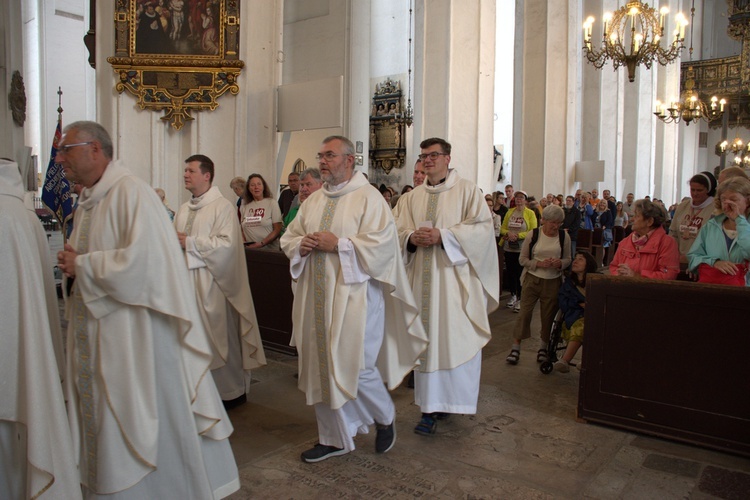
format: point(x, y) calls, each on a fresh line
point(511, 302)
point(517, 306)
point(562, 366)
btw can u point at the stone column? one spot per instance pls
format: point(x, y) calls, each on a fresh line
point(356, 84)
point(454, 58)
point(547, 111)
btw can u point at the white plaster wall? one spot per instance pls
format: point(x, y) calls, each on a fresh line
point(239, 136)
point(64, 64)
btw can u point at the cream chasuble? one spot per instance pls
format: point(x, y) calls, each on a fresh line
point(457, 290)
point(330, 315)
point(35, 445)
point(221, 284)
point(145, 414)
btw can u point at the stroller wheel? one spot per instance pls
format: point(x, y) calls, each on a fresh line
point(546, 367)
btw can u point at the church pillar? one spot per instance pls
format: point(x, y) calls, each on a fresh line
point(357, 85)
point(454, 58)
point(548, 87)
point(11, 59)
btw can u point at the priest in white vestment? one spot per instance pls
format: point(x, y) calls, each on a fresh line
point(210, 235)
point(35, 441)
point(146, 418)
point(356, 324)
point(448, 243)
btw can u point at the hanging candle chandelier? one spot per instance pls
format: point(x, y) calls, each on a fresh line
point(633, 35)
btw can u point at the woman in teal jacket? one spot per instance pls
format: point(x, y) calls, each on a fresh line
point(724, 243)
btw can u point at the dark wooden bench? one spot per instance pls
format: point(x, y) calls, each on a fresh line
point(668, 359)
point(271, 286)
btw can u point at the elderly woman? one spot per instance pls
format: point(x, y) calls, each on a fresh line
point(722, 248)
point(261, 215)
point(516, 224)
point(692, 214)
point(648, 252)
point(544, 255)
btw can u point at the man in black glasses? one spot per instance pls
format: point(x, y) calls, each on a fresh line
point(446, 233)
point(355, 321)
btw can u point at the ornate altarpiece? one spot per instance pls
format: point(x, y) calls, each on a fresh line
point(387, 127)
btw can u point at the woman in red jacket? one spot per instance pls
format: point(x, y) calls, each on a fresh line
point(648, 252)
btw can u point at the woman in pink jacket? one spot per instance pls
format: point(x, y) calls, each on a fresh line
point(648, 252)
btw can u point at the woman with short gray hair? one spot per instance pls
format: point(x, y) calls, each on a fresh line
point(544, 255)
point(648, 252)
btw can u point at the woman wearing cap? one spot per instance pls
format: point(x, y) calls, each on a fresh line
point(691, 215)
point(648, 252)
point(516, 224)
point(721, 252)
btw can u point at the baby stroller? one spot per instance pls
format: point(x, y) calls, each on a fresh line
point(556, 345)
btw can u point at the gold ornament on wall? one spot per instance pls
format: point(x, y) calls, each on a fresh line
point(177, 56)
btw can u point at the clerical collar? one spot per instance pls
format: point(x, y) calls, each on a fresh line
point(433, 185)
point(337, 187)
point(197, 199)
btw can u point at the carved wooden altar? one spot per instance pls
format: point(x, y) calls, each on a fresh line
point(387, 148)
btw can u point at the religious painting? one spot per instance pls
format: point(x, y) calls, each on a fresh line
point(177, 55)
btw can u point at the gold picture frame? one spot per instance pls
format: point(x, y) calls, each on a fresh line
point(177, 55)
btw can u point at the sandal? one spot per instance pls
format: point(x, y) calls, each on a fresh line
point(512, 358)
point(427, 425)
point(542, 356)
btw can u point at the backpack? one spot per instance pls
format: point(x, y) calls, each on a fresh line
point(535, 237)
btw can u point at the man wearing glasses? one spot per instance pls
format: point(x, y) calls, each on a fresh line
point(352, 306)
point(448, 240)
point(144, 412)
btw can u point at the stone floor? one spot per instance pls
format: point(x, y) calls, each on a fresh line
point(524, 442)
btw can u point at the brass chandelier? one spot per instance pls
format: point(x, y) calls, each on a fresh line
point(690, 107)
point(632, 35)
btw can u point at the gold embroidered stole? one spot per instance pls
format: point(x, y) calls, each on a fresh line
point(319, 277)
point(428, 253)
point(189, 222)
point(85, 368)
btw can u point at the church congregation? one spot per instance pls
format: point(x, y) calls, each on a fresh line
point(374, 249)
point(162, 327)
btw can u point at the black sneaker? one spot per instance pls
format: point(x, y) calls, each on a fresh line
point(234, 403)
point(320, 452)
point(386, 437)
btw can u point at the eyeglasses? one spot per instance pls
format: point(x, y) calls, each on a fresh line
point(328, 156)
point(68, 147)
point(432, 156)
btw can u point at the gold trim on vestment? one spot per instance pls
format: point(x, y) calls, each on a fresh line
point(85, 381)
point(429, 252)
point(319, 275)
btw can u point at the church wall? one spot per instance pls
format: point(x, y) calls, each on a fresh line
point(239, 136)
point(11, 59)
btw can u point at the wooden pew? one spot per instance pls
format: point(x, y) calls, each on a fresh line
point(668, 359)
point(271, 286)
